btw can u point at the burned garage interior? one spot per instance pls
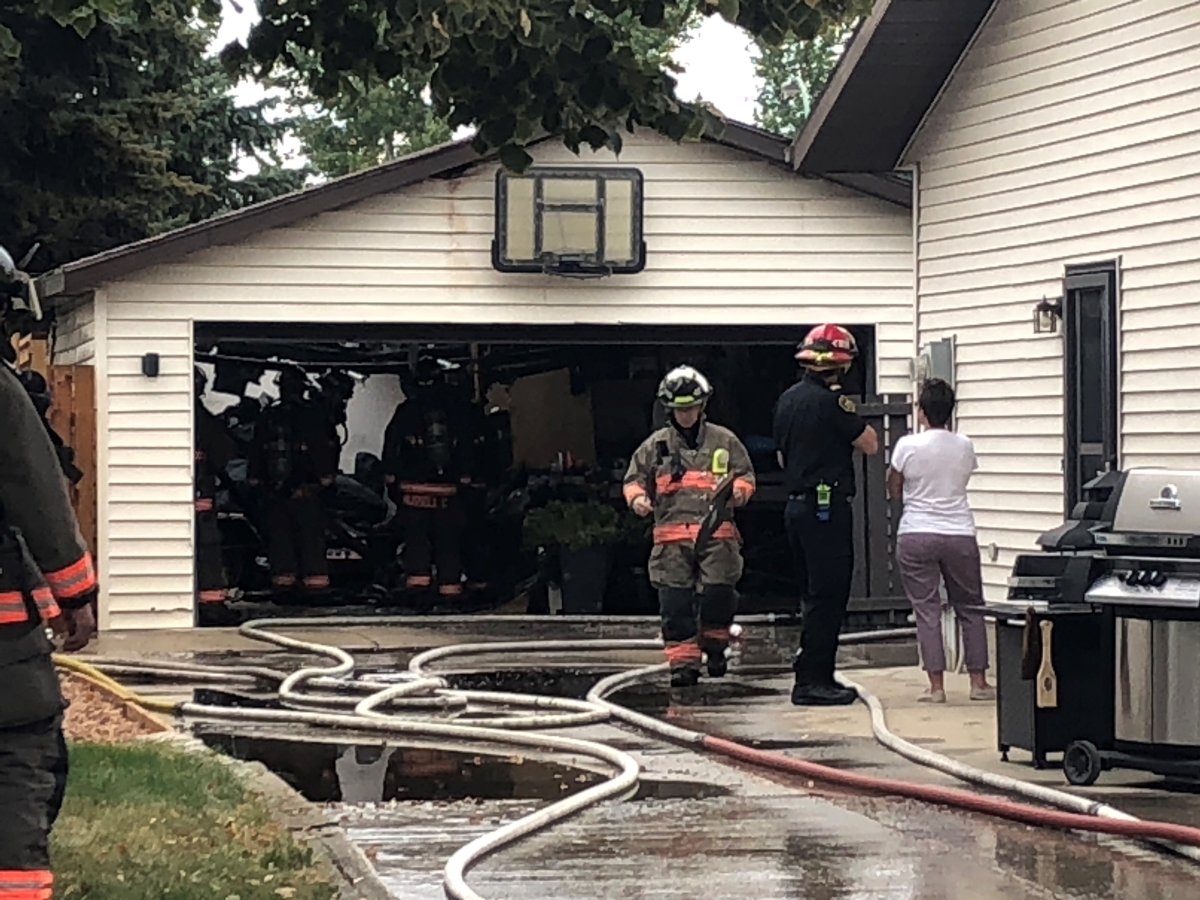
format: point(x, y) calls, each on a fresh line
point(553, 417)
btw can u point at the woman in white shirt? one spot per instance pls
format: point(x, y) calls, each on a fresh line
point(936, 539)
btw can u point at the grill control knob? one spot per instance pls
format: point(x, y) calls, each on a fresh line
point(1131, 578)
point(1159, 579)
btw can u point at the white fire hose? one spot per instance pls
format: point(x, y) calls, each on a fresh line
point(469, 717)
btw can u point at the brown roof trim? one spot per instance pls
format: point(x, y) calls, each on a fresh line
point(894, 187)
point(837, 81)
point(897, 65)
point(230, 227)
point(754, 140)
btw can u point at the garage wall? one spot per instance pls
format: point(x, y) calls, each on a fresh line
point(75, 332)
point(731, 239)
point(1070, 134)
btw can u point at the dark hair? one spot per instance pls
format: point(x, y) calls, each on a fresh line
point(937, 402)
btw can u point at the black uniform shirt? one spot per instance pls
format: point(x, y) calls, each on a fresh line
point(816, 428)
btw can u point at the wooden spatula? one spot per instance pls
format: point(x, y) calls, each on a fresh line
point(1047, 681)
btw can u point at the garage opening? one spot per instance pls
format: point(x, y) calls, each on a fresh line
point(558, 413)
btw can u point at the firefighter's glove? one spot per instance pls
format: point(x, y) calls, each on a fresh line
point(642, 506)
point(80, 627)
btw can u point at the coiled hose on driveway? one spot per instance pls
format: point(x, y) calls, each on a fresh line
point(418, 703)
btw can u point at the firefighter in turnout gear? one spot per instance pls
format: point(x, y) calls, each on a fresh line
point(214, 449)
point(683, 474)
point(46, 578)
point(294, 456)
point(817, 429)
point(427, 457)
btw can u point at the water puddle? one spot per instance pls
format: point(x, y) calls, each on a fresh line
point(332, 772)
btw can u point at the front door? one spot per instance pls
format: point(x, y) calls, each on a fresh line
point(1090, 375)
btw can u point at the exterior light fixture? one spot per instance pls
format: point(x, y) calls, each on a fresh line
point(1046, 316)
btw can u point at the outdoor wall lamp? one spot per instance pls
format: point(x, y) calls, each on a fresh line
point(1046, 316)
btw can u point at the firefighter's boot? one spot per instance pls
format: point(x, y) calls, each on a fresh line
point(684, 676)
point(716, 661)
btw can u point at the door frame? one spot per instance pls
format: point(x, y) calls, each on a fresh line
point(1105, 275)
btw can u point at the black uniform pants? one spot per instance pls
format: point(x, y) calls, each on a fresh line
point(33, 779)
point(433, 534)
point(296, 539)
point(824, 554)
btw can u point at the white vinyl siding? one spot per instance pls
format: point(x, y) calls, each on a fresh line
point(732, 240)
point(1070, 134)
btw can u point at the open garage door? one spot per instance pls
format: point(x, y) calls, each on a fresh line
point(562, 410)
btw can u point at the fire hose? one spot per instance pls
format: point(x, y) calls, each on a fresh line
point(387, 706)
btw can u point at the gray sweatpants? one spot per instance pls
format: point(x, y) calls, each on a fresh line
point(925, 561)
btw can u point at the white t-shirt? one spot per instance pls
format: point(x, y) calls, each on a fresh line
point(936, 465)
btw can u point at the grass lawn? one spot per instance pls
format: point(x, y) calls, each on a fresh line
point(149, 822)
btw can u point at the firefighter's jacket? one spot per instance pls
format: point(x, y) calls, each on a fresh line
point(295, 446)
point(214, 448)
point(432, 441)
point(44, 562)
point(681, 480)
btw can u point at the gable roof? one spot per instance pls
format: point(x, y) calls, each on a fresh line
point(443, 161)
point(894, 69)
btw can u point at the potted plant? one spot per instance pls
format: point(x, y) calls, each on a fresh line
point(583, 534)
point(629, 590)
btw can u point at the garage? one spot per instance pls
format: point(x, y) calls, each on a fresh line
point(565, 408)
point(710, 252)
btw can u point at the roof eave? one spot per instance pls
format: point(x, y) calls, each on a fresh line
point(837, 83)
point(895, 68)
point(230, 227)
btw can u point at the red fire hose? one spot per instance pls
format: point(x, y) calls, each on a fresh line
point(993, 806)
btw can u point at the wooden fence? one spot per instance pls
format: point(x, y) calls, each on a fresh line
point(876, 587)
point(73, 416)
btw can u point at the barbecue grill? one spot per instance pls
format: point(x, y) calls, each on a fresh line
point(1099, 636)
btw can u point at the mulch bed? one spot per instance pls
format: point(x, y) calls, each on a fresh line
point(96, 716)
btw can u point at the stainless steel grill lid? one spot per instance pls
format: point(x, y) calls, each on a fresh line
point(1159, 501)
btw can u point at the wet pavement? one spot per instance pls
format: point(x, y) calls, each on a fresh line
point(784, 846)
point(702, 828)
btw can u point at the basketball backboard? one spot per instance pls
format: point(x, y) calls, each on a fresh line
point(568, 220)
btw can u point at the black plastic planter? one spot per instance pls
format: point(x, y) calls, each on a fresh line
point(584, 580)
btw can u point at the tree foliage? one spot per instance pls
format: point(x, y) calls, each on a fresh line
point(510, 68)
point(121, 134)
point(373, 121)
point(793, 76)
point(365, 124)
point(515, 68)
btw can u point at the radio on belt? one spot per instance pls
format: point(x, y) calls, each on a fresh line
point(1110, 613)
